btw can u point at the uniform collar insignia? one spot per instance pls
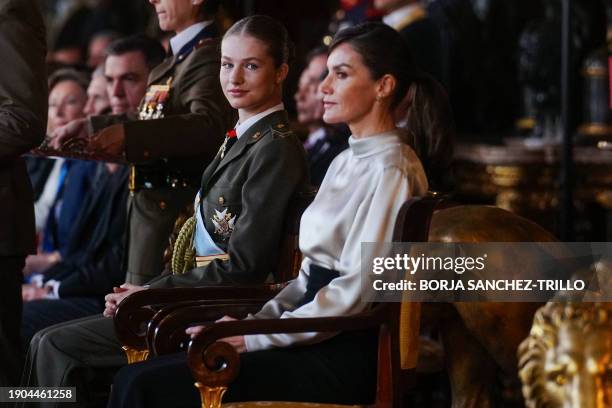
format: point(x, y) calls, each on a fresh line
point(208, 32)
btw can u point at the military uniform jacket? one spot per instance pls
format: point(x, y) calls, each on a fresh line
point(23, 117)
point(178, 146)
point(252, 185)
point(195, 111)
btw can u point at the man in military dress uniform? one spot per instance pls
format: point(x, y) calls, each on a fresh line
point(23, 116)
point(178, 129)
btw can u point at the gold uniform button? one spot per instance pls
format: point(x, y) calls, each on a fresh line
point(257, 135)
point(162, 205)
point(280, 125)
point(221, 200)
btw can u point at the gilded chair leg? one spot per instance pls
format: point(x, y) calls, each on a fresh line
point(210, 396)
point(135, 356)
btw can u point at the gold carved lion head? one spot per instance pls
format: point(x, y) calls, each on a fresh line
point(566, 361)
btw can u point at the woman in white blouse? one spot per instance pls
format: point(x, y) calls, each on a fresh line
point(370, 72)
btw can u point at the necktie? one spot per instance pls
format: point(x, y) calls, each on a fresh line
point(230, 138)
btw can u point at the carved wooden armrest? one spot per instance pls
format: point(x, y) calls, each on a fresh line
point(216, 364)
point(166, 332)
point(135, 311)
point(82, 154)
point(168, 309)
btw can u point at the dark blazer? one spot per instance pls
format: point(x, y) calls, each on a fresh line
point(79, 181)
point(39, 169)
point(91, 265)
point(23, 118)
point(324, 151)
point(253, 185)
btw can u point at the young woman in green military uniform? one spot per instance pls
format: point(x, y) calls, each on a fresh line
point(242, 202)
point(251, 174)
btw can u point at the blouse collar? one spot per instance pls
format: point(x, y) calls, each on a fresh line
point(374, 144)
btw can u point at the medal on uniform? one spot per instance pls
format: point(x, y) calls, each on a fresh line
point(224, 223)
point(155, 101)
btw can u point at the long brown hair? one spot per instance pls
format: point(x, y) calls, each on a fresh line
point(418, 98)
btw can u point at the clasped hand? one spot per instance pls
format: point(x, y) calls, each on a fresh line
point(235, 341)
point(30, 292)
point(112, 300)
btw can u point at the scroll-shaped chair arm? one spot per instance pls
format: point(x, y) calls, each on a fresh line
point(166, 310)
point(135, 311)
point(166, 333)
point(216, 364)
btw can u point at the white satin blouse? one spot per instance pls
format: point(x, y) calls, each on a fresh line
point(357, 202)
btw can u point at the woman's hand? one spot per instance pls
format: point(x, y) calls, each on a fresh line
point(235, 341)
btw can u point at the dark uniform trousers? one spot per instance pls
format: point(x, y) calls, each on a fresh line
point(253, 185)
point(23, 116)
point(88, 364)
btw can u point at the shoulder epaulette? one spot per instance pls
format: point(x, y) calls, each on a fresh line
point(203, 42)
point(280, 130)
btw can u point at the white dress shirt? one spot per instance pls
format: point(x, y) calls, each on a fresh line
point(357, 202)
point(243, 127)
point(42, 207)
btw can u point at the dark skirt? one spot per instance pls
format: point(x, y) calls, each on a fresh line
point(341, 370)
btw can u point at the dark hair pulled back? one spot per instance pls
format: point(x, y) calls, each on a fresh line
point(270, 32)
point(418, 98)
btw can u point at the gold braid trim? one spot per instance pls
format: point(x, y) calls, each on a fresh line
point(183, 256)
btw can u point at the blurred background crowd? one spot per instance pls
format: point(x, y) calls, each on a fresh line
point(498, 59)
